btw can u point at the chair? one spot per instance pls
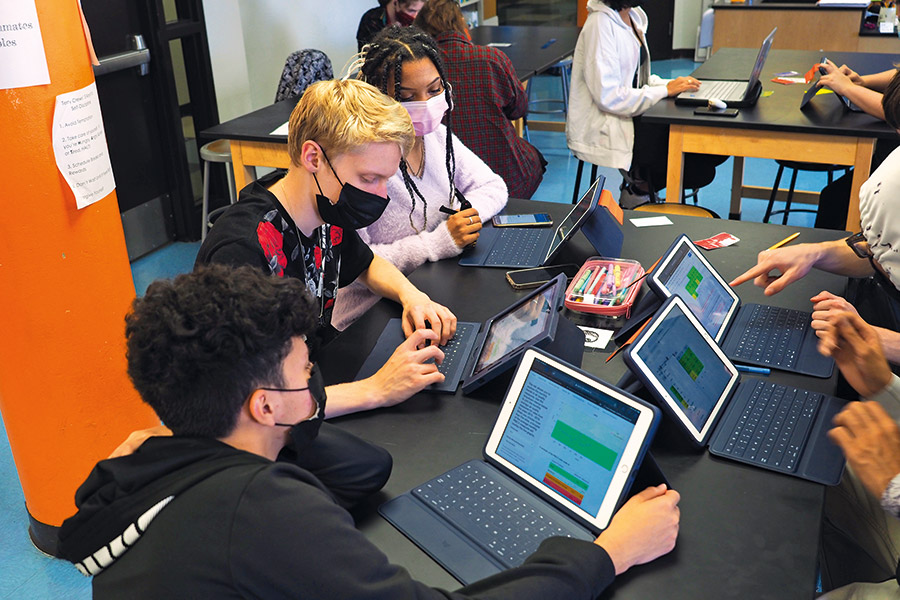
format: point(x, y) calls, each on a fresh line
point(301, 69)
point(704, 36)
point(563, 69)
point(797, 166)
point(218, 151)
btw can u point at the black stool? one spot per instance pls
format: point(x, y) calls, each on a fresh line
point(685, 194)
point(797, 166)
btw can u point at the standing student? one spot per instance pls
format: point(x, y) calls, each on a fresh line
point(220, 354)
point(487, 98)
point(439, 175)
point(611, 87)
point(388, 12)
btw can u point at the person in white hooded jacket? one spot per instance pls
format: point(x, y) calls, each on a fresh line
point(611, 85)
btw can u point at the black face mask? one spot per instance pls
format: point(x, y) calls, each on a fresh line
point(303, 433)
point(355, 208)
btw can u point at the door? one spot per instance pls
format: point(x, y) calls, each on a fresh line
point(151, 111)
point(661, 17)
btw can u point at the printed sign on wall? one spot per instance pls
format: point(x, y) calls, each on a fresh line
point(22, 59)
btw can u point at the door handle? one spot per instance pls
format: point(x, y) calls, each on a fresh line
point(139, 56)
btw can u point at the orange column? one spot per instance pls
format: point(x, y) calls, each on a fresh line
point(65, 286)
point(582, 12)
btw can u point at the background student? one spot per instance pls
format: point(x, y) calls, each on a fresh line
point(388, 12)
point(866, 92)
point(487, 96)
point(611, 87)
point(438, 175)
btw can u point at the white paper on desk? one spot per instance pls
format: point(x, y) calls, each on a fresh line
point(500, 44)
point(650, 221)
point(22, 59)
point(79, 145)
point(596, 338)
point(281, 130)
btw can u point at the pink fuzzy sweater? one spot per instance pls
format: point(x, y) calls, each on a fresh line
point(394, 239)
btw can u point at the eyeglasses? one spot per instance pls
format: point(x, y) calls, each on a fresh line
point(859, 245)
point(274, 389)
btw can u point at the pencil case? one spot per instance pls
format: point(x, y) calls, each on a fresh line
point(602, 286)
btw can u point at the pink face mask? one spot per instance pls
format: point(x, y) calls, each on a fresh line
point(427, 115)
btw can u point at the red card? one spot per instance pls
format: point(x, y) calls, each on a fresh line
point(719, 240)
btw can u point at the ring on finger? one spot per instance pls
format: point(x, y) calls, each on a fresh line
point(471, 221)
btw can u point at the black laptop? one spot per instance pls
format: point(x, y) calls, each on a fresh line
point(777, 427)
point(520, 247)
point(736, 93)
point(479, 353)
point(753, 334)
point(560, 459)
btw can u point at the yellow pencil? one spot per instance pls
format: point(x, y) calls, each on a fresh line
point(786, 240)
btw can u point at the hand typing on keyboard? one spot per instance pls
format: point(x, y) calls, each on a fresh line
point(856, 349)
point(421, 312)
point(644, 529)
point(408, 371)
point(682, 84)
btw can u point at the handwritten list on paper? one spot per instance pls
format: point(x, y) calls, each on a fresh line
point(22, 59)
point(79, 145)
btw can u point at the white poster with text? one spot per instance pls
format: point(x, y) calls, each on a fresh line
point(22, 59)
point(79, 144)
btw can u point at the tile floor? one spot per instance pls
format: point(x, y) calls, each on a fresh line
point(26, 573)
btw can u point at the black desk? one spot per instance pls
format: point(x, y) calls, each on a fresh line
point(776, 127)
point(530, 49)
point(745, 532)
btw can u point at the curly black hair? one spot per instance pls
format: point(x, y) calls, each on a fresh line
point(890, 101)
point(200, 344)
point(383, 60)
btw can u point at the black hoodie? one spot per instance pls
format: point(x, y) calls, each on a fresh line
point(202, 519)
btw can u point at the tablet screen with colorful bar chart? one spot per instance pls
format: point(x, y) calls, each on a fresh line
point(568, 437)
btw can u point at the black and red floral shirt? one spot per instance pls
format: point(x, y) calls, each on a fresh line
point(257, 230)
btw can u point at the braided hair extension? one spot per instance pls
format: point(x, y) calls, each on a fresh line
point(384, 57)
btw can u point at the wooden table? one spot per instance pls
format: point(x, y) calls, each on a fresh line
point(252, 144)
point(776, 128)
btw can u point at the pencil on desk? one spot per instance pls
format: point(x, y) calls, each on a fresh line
point(786, 240)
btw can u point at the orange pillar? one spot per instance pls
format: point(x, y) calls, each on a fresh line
point(582, 12)
point(65, 286)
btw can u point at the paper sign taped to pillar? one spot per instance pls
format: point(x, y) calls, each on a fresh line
point(79, 145)
point(22, 59)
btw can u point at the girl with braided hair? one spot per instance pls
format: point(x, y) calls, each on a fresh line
point(437, 178)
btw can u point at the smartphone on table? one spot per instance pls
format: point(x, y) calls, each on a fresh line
point(528, 220)
point(523, 279)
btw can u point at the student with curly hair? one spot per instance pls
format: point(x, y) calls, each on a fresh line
point(439, 175)
point(210, 512)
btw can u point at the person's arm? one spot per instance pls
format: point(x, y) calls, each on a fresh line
point(862, 94)
point(609, 90)
point(827, 308)
point(776, 269)
point(387, 281)
point(877, 81)
point(277, 555)
point(511, 95)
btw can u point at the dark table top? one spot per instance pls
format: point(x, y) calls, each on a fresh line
point(532, 49)
point(745, 532)
point(781, 110)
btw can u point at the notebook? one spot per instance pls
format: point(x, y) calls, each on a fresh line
point(479, 353)
point(737, 93)
point(520, 247)
point(764, 424)
point(753, 334)
point(559, 460)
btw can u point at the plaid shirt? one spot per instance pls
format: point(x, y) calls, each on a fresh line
point(486, 95)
